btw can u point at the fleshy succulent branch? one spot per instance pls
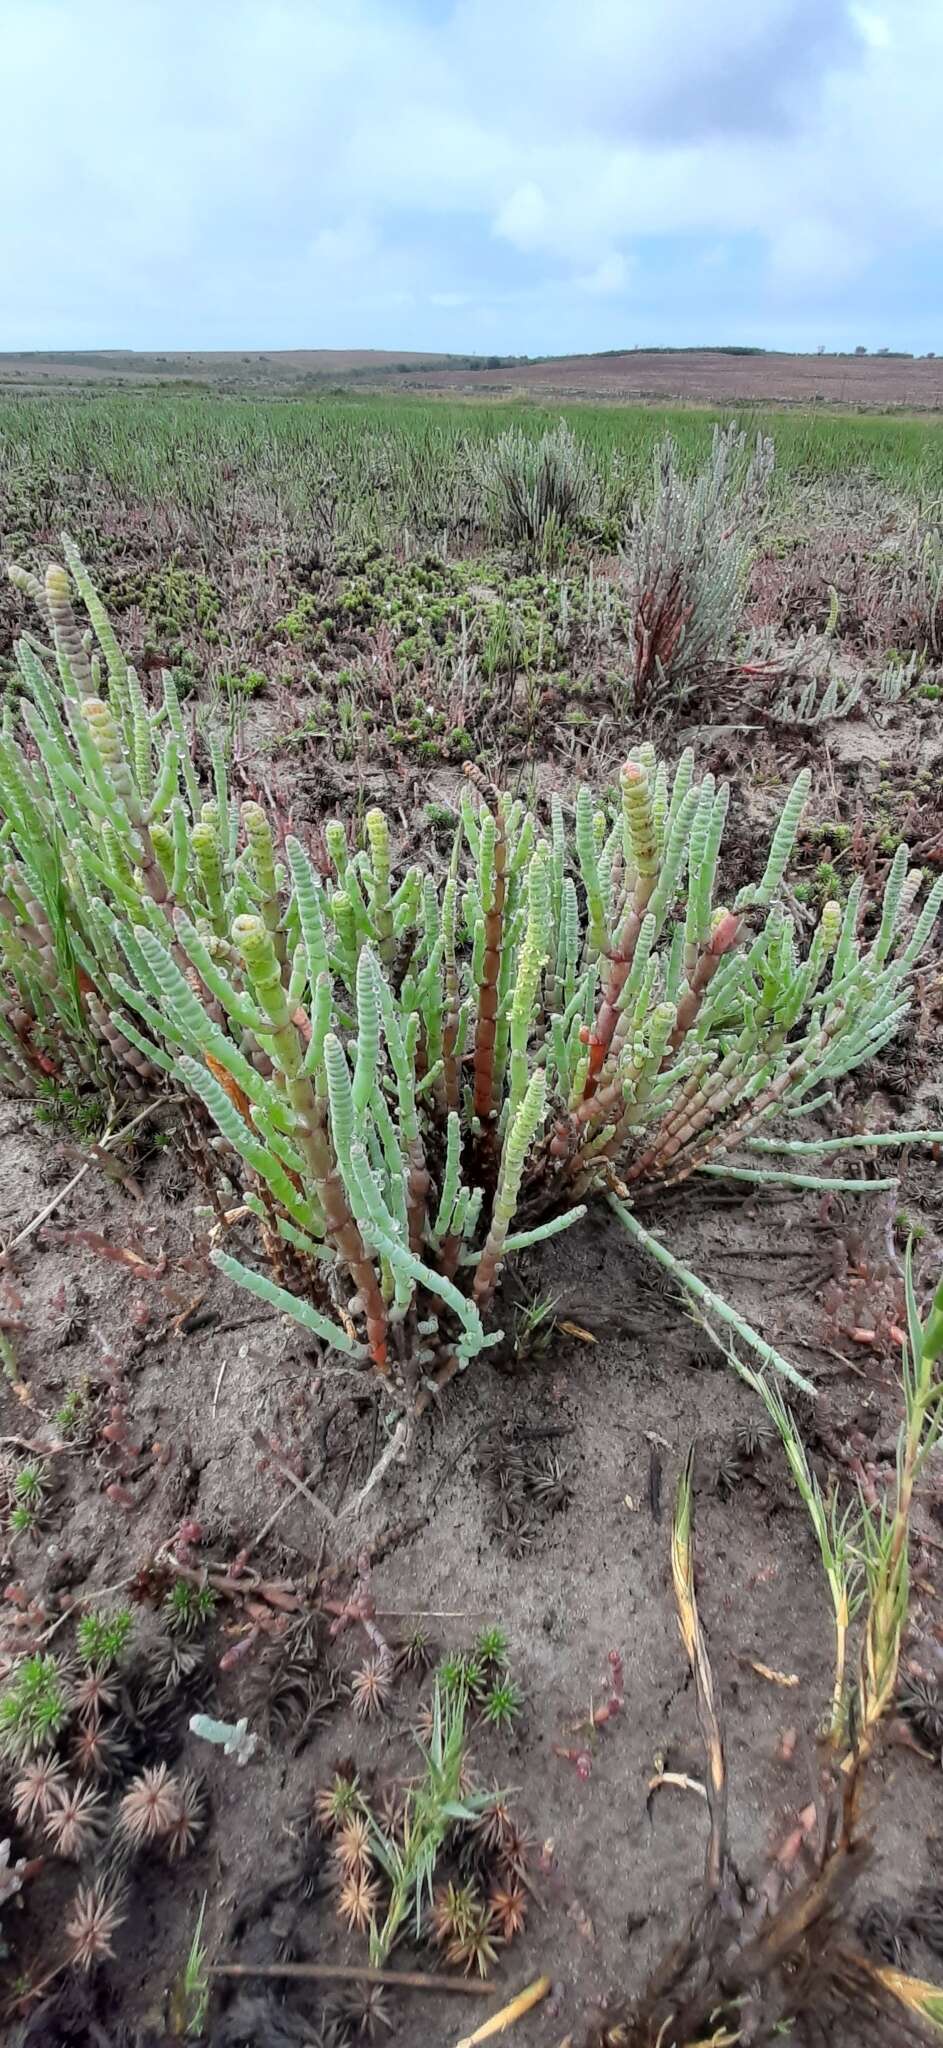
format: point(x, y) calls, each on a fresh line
point(407, 1078)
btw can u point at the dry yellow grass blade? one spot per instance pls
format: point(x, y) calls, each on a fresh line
point(721, 2040)
point(500, 2021)
point(708, 1713)
point(787, 1679)
point(682, 1564)
point(914, 1992)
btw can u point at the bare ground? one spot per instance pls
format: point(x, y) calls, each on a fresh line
point(614, 1867)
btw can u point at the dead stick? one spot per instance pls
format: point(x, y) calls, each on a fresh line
point(301, 1486)
point(499, 2022)
point(339, 1973)
point(278, 1512)
point(397, 1443)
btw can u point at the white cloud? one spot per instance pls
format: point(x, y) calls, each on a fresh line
point(812, 252)
point(524, 218)
point(609, 276)
point(874, 27)
point(274, 171)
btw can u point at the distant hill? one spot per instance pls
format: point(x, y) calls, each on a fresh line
point(275, 369)
point(708, 376)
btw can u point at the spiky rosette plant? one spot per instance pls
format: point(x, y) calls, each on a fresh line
point(412, 1077)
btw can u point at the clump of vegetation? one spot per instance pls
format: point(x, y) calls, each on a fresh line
point(402, 1859)
point(88, 1785)
point(101, 1638)
point(816, 700)
point(536, 490)
point(34, 1706)
point(687, 558)
point(398, 1069)
point(194, 1989)
point(501, 1704)
point(28, 1491)
point(480, 1679)
point(187, 1607)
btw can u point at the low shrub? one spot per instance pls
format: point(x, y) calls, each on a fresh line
point(412, 1077)
point(687, 559)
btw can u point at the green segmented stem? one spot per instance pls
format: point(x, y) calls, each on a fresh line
point(522, 1240)
point(706, 1297)
point(648, 898)
point(860, 1141)
point(492, 878)
point(380, 1223)
point(291, 1305)
point(163, 845)
point(486, 846)
point(368, 1033)
point(178, 730)
point(757, 1178)
point(347, 937)
point(115, 661)
point(261, 847)
point(531, 961)
point(106, 739)
point(453, 1135)
point(206, 853)
point(29, 586)
point(335, 839)
point(242, 1139)
point(334, 1192)
point(307, 899)
point(401, 1048)
point(182, 1016)
point(178, 827)
point(596, 935)
point(228, 821)
point(518, 1140)
point(784, 839)
point(669, 875)
point(923, 927)
point(378, 837)
point(73, 662)
point(300, 1239)
point(660, 806)
point(640, 839)
point(142, 745)
point(237, 1006)
point(890, 909)
point(451, 1007)
point(320, 1026)
point(165, 788)
point(470, 824)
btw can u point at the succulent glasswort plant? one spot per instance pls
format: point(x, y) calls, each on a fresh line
point(413, 1077)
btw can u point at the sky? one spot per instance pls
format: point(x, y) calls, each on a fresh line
point(498, 176)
